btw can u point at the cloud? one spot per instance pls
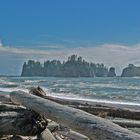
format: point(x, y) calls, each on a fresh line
point(119, 56)
point(21, 51)
point(11, 58)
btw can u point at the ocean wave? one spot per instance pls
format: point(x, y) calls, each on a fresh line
point(59, 94)
point(13, 89)
point(3, 82)
point(113, 86)
point(63, 95)
point(125, 98)
point(104, 90)
point(34, 81)
point(94, 100)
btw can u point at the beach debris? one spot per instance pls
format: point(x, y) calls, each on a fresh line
point(46, 135)
point(37, 91)
point(96, 128)
point(101, 109)
point(63, 127)
point(16, 120)
point(16, 137)
point(103, 114)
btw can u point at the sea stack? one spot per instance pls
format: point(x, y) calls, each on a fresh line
point(131, 71)
point(111, 72)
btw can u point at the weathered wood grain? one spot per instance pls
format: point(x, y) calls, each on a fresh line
point(94, 127)
point(15, 120)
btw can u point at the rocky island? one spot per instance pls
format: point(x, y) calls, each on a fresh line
point(111, 72)
point(131, 71)
point(73, 67)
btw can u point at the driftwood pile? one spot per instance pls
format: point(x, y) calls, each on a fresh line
point(39, 117)
point(22, 123)
point(17, 120)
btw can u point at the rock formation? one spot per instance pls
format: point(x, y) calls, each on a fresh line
point(73, 67)
point(111, 72)
point(131, 71)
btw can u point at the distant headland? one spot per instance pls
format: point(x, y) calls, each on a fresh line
point(74, 67)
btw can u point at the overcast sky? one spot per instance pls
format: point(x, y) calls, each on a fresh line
point(100, 31)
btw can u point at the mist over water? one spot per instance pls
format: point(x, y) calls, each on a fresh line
point(118, 89)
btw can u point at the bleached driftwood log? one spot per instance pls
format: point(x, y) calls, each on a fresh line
point(16, 120)
point(127, 123)
point(11, 107)
point(94, 127)
point(137, 130)
point(73, 135)
point(58, 130)
point(46, 135)
point(57, 137)
point(122, 111)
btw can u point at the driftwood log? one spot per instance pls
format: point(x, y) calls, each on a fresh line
point(113, 110)
point(16, 120)
point(46, 135)
point(94, 127)
point(73, 135)
point(58, 131)
point(127, 123)
point(125, 111)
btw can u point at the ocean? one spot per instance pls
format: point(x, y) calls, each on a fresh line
point(114, 90)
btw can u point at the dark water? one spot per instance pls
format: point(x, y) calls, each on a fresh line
point(124, 90)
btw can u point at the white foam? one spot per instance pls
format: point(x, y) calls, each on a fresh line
point(128, 87)
point(34, 81)
point(7, 83)
point(72, 96)
point(13, 89)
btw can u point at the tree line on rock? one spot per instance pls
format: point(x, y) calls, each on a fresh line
point(73, 67)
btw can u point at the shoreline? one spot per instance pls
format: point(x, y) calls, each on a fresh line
point(103, 114)
point(94, 102)
point(91, 102)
